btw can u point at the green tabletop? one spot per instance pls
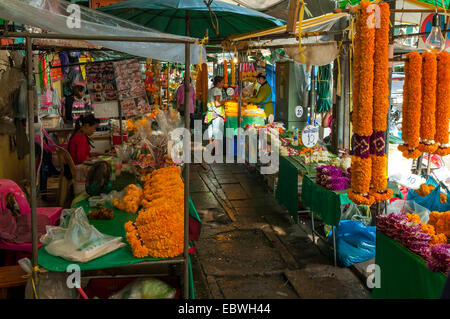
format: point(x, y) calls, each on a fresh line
point(404, 275)
point(118, 258)
point(232, 123)
point(287, 187)
point(324, 203)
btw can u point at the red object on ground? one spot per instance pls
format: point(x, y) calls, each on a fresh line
point(116, 139)
point(53, 213)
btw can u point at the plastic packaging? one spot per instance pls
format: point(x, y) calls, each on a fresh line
point(94, 201)
point(146, 288)
point(78, 241)
point(432, 201)
point(52, 285)
point(356, 213)
point(355, 242)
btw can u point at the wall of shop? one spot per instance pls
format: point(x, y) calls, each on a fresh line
point(10, 166)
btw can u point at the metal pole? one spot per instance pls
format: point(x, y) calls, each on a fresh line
point(238, 144)
point(120, 123)
point(187, 148)
point(334, 246)
point(30, 86)
point(429, 164)
point(64, 36)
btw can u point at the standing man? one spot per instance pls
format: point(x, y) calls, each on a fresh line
point(75, 98)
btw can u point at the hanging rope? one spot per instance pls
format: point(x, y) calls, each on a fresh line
point(213, 16)
point(300, 21)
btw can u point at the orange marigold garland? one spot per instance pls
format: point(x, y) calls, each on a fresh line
point(381, 71)
point(159, 227)
point(443, 104)
point(412, 106)
point(363, 115)
point(360, 181)
point(428, 119)
point(363, 109)
point(379, 178)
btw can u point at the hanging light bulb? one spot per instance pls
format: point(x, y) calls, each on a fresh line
point(435, 40)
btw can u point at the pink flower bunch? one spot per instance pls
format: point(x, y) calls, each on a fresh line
point(407, 233)
point(332, 178)
point(439, 258)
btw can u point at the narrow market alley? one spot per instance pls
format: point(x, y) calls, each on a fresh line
point(249, 247)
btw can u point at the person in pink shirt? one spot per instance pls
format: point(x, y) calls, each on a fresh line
point(180, 99)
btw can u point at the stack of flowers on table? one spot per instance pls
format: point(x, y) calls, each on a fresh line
point(422, 239)
point(159, 228)
point(131, 201)
point(333, 178)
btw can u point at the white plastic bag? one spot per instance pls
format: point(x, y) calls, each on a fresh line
point(79, 241)
point(409, 206)
point(146, 288)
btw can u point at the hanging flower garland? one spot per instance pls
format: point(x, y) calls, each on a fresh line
point(412, 105)
point(378, 156)
point(428, 119)
point(361, 168)
point(443, 104)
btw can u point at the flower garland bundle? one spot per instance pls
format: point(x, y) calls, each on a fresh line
point(428, 119)
point(412, 105)
point(379, 178)
point(225, 73)
point(441, 222)
point(332, 178)
point(410, 232)
point(443, 104)
point(159, 227)
point(439, 258)
point(131, 201)
point(362, 112)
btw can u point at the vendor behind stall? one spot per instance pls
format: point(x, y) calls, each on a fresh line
point(76, 97)
point(263, 97)
point(79, 143)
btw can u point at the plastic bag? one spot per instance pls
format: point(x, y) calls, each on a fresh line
point(432, 201)
point(52, 285)
point(79, 241)
point(146, 288)
point(412, 207)
point(357, 213)
point(355, 242)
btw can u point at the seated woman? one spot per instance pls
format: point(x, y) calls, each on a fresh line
point(79, 143)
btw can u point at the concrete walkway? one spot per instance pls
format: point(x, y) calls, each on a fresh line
point(250, 248)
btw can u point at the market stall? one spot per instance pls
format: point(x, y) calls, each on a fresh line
point(123, 36)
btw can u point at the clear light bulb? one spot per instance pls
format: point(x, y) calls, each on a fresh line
point(435, 40)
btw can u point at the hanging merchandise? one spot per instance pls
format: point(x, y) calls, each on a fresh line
point(428, 119)
point(225, 73)
point(233, 74)
point(443, 104)
point(378, 155)
point(56, 73)
point(130, 88)
point(363, 109)
point(412, 103)
point(324, 79)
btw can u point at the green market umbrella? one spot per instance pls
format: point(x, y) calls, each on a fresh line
point(170, 16)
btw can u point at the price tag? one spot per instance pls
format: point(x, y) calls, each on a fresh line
point(230, 91)
point(299, 111)
point(310, 136)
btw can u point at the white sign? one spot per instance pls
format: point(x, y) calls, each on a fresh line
point(310, 136)
point(230, 91)
point(299, 111)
